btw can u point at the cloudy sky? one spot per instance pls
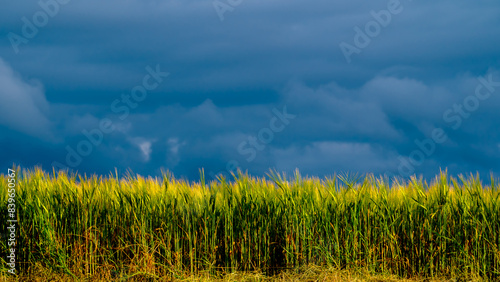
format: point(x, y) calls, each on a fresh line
point(394, 87)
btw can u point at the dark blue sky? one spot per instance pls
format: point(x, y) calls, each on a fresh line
point(396, 87)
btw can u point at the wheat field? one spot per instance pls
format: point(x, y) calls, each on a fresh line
point(166, 227)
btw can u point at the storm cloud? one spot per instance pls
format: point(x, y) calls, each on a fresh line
point(232, 78)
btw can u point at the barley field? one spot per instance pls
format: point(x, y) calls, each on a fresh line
point(82, 226)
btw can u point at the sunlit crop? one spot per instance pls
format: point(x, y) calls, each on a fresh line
point(165, 226)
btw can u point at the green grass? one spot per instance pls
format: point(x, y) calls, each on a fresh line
point(164, 227)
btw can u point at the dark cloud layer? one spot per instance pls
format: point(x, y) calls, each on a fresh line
point(231, 84)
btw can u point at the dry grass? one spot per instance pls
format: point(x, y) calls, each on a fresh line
point(306, 273)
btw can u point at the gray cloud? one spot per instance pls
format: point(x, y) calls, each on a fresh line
point(23, 106)
point(226, 77)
